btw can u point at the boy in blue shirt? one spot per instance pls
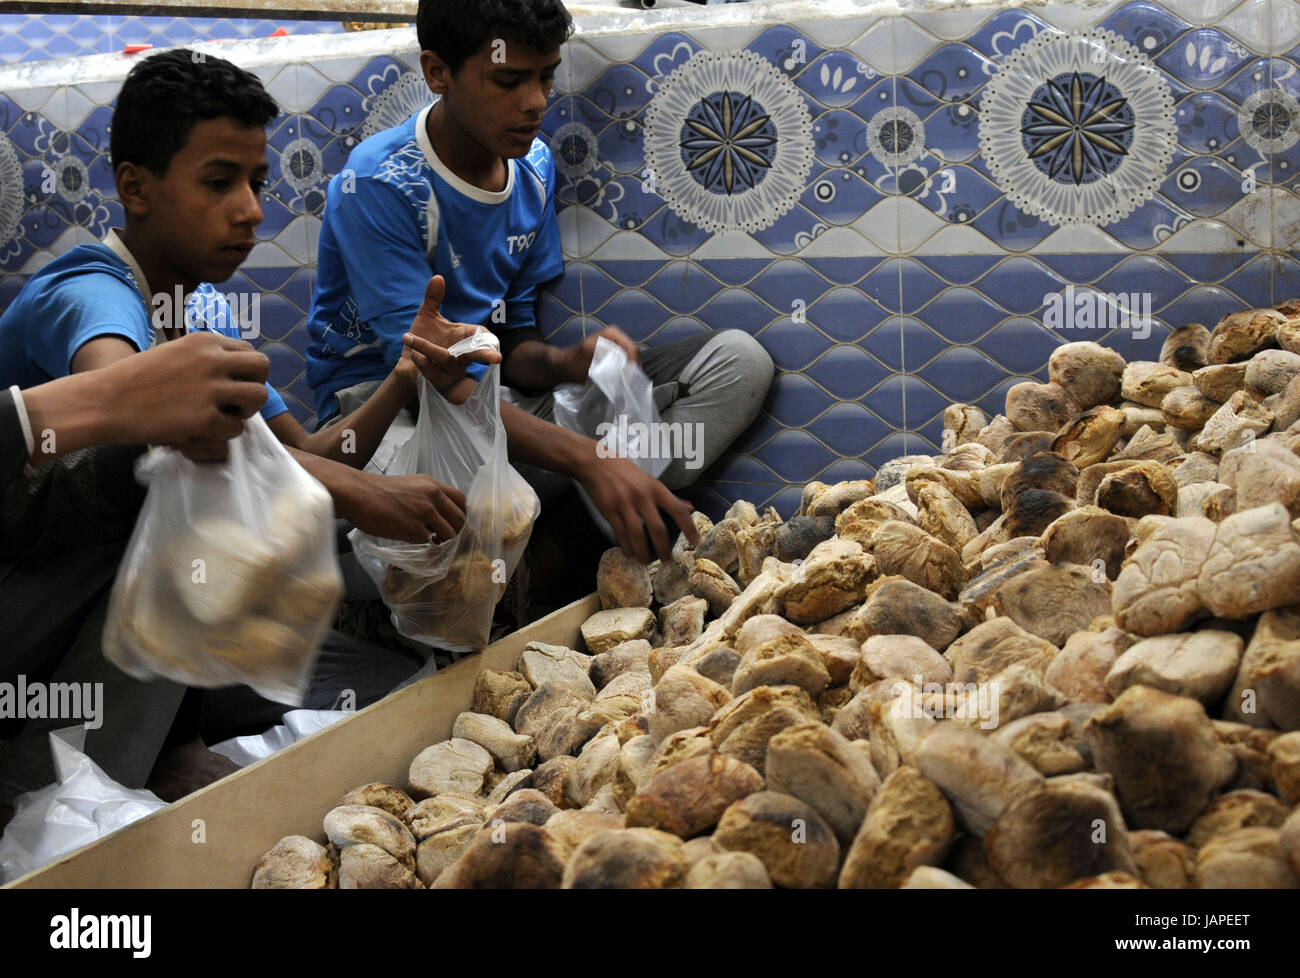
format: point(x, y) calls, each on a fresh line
point(466, 190)
point(189, 155)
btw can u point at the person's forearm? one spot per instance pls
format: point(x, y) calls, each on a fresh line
point(70, 413)
point(342, 482)
point(538, 442)
point(533, 367)
point(353, 439)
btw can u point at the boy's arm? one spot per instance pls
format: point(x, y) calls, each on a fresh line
point(534, 366)
point(368, 423)
point(408, 508)
point(201, 387)
point(101, 352)
point(353, 439)
point(629, 498)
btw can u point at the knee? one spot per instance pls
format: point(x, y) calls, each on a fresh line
point(750, 363)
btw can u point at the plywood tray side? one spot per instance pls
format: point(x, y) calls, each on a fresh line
point(213, 837)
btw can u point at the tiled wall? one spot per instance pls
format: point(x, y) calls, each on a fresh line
point(41, 37)
point(883, 201)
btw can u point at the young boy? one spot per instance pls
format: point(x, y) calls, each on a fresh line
point(189, 155)
point(465, 189)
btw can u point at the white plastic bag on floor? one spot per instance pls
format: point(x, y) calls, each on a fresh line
point(83, 805)
point(297, 725)
point(616, 406)
point(231, 575)
point(443, 594)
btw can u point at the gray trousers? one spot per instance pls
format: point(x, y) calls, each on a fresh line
point(715, 381)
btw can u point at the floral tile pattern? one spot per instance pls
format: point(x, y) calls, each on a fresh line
point(890, 205)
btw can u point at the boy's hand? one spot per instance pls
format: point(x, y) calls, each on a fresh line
point(410, 508)
point(431, 335)
point(575, 362)
point(192, 393)
point(630, 499)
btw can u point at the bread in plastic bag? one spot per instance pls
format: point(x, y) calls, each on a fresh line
point(231, 574)
point(619, 394)
point(443, 594)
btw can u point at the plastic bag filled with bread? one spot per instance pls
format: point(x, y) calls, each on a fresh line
point(443, 594)
point(231, 574)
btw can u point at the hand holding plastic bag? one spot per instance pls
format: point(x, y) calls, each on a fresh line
point(230, 575)
point(443, 594)
point(617, 407)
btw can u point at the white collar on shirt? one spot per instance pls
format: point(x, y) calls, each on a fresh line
point(441, 168)
point(115, 244)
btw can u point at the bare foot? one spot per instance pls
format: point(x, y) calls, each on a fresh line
point(183, 770)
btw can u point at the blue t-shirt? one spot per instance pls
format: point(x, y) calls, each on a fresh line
point(396, 216)
point(85, 294)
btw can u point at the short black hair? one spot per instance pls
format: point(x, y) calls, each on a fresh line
point(455, 30)
point(165, 95)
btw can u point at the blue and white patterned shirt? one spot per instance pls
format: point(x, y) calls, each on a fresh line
point(395, 216)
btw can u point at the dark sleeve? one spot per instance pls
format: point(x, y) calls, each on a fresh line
point(13, 446)
point(83, 498)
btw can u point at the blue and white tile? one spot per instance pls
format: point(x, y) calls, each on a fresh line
point(848, 372)
point(786, 47)
point(1149, 27)
point(1268, 26)
point(836, 78)
point(952, 73)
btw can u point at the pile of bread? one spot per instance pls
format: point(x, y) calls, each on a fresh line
point(1063, 653)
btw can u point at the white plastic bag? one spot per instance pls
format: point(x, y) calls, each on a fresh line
point(231, 574)
point(295, 725)
point(83, 805)
point(616, 406)
point(443, 594)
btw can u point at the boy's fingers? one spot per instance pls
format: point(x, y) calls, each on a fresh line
point(434, 293)
point(658, 533)
point(680, 510)
point(419, 346)
point(227, 342)
point(631, 535)
point(439, 526)
point(249, 365)
point(482, 356)
point(452, 513)
point(245, 398)
point(223, 425)
point(204, 450)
